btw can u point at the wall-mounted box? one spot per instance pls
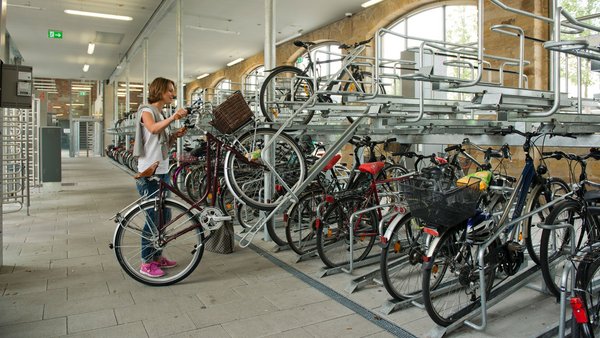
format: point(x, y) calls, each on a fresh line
point(17, 86)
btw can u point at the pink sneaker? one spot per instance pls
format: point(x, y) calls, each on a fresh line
point(165, 263)
point(151, 270)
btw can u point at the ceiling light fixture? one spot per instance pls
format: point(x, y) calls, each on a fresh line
point(369, 3)
point(86, 67)
point(24, 6)
point(132, 85)
point(99, 15)
point(235, 62)
point(91, 47)
point(202, 76)
point(216, 30)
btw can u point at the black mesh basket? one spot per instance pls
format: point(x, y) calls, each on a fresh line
point(440, 204)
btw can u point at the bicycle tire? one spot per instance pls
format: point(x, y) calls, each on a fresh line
point(246, 216)
point(272, 111)
point(401, 259)
point(555, 244)
point(333, 232)
point(348, 87)
point(299, 229)
point(246, 178)
point(537, 199)
point(449, 304)
point(586, 288)
point(187, 251)
point(195, 183)
point(227, 202)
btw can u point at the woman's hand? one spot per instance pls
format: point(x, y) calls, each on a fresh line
point(180, 113)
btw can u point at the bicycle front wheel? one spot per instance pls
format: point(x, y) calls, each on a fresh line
point(333, 235)
point(282, 93)
point(184, 248)
point(246, 177)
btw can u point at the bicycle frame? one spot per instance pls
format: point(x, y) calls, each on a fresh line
point(212, 183)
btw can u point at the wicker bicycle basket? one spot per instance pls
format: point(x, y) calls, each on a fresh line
point(232, 114)
point(440, 205)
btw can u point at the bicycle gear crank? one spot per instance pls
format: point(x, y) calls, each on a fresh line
point(212, 218)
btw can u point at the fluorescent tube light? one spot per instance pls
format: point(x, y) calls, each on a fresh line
point(235, 62)
point(86, 67)
point(56, 107)
point(131, 85)
point(369, 3)
point(202, 76)
point(99, 15)
point(216, 30)
point(91, 47)
point(24, 6)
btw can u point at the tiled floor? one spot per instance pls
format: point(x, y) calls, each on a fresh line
point(60, 278)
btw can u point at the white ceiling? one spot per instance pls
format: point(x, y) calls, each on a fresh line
point(204, 51)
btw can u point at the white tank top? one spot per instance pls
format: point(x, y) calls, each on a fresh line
point(153, 150)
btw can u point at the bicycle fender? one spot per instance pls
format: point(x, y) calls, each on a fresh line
point(393, 224)
point(432, 245)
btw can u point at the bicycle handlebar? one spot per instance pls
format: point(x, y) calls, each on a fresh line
point(356, 44)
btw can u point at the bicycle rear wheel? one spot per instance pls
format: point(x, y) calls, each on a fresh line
point(299, 230)
point(333, 234)
point(555, 245)
point(555, 187)
point(247, 216)
point(246, 178)
point(457, 290)
point(195, 183)
point(282, 93)
point(587, 289)
point(186, 249)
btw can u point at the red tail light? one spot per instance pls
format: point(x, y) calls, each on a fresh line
point(579, 310)
point(329, 199)
point(318, 223)
point(285, 217)
point(278, 187)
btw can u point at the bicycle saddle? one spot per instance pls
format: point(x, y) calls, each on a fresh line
point(372, 168)
point(149, 171)
point(304, 44)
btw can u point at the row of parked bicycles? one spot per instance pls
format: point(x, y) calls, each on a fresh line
point(440, 233)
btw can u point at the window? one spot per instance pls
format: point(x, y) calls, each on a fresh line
point(198, 94)
point(590, 81)
point(222, 91)
point(252, 83)
point(326, 62)
point(448, 23)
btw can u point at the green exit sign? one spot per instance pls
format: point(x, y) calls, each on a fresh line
point(52, 34)
point(82, 93)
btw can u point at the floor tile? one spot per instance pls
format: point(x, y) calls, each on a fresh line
point(91, 320)
point(42, 329)
point(168, 325)
point(131, 330)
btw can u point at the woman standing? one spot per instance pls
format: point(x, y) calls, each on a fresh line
point(152, 144)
